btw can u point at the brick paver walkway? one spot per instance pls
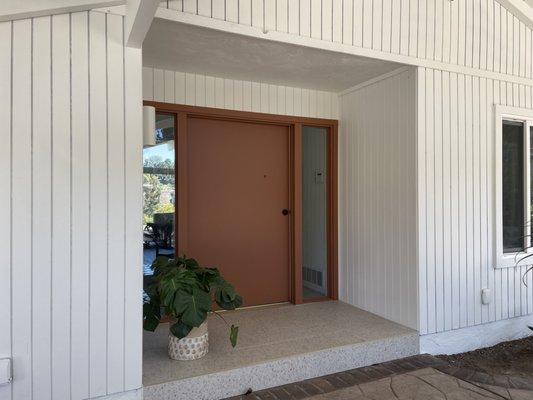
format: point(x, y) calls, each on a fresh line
point(419, 377)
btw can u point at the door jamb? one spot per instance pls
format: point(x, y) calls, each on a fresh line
point(295, 124)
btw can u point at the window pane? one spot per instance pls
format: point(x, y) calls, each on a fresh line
point(513, 186)
point(159, 193)
point(314, 212)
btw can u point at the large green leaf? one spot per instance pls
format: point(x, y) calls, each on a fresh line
point(234, 332)
point(192, 306)
point(180, 330)
point(225, 294)
point(151, 314)
point(206, 277)
point(162, 265)
point(189, 262)
point(176, 280)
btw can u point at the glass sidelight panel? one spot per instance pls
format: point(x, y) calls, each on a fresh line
point(159, 193)
point(314, 212)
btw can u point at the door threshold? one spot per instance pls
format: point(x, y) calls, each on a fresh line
point(282, 303)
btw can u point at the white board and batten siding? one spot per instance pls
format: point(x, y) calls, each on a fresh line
point(208, 91)
point(70, 254)
point(456, 199)
point(479, 34)
point(377, 197)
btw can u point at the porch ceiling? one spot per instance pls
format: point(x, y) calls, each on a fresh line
point(176, 46)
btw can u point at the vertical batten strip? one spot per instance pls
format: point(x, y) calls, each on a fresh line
point(21, 212)
point(5, 195)
point(159, 85)
point(168, 84)
point(98, 206)
point(209, 92)
point(454, 200)
point(484, 137)
point(148, 82)
point(116, 200)
point(42, 206)
point(61, 244)
point(404, 26)
point(446, 203)
point(476, 210)
point(80, 205)
point(133, 218)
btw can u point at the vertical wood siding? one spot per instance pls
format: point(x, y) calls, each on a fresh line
point(456, 197)
point(377, 198)
point(474, 33)
point(70, 253)
point(208, 91)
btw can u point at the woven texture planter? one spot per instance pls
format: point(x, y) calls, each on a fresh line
point(193, 346)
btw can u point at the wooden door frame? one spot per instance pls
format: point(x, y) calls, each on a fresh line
point(184, 112)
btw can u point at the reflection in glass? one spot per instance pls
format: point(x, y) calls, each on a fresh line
point(513, 186)
point(159, 193)
point(314, 212)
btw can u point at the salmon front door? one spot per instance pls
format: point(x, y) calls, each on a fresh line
point(237, 204)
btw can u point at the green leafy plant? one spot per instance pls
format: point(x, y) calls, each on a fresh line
point(185, 291)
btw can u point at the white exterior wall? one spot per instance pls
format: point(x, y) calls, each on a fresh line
point(208, 91)
point(377, 198)
point(456, 200)
point(480, 34)
point(70, 96)
point(70, 206)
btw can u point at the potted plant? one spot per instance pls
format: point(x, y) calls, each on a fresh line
point(184, 291)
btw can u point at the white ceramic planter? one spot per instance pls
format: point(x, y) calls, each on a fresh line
point(193, 346)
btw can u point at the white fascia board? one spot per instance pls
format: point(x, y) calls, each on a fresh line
point(17, 9)
point(139, 17)
point(521, 9)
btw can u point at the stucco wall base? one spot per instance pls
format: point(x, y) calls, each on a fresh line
point(476, 337)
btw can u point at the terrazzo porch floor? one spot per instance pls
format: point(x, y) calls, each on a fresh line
point(277, 345)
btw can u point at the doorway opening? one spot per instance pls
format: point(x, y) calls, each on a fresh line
point(252, 194)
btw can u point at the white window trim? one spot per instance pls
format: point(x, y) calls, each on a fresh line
point(501, 113)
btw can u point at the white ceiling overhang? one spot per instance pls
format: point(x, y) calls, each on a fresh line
point(181, 47)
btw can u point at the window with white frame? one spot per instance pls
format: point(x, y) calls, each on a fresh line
point(514, 141)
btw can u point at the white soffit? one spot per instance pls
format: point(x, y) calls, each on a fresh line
point(19, 9)
point(181, 47)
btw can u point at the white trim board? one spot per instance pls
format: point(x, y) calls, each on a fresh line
point(136, 394)
point(501, 113)
point(476, 337)
point(376, 79)
point(21, 9)
point(281, 37)
point(521, 9)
